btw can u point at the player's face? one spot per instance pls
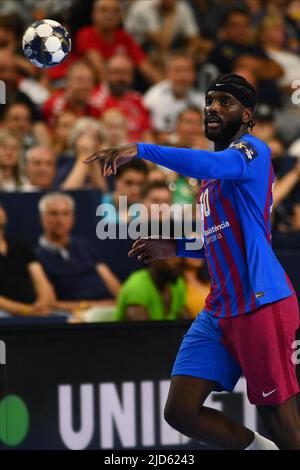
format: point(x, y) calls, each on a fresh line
point(223, 116)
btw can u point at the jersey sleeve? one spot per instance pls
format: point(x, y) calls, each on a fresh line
point(184, 251)
point(237, 162)
point(227, 164)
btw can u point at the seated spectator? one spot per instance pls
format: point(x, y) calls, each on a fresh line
point(235, 49)
point(287, 235)
point(24, 287)
point(169, 97)
point(120, 75)
point(78, 96)
point(265, 128)
point(129, 181)
point(189, 132)
point(18, 119)
point(162, 219)
point(273, 31)
point(70, 262)
point(40, 169)
point(157, 293)
point(62, 128)
point(86, 137)
point(104, 38)
point(9, 74)
point(163, 25)
point(11, 178)
point(197, 284)
point(116, 127)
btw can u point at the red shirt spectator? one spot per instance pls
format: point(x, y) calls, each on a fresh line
point(119, 74)
point(80, 95)
point(105, 38)
point(89, 38)
point(137, 115)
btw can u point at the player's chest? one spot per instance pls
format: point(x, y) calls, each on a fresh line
point(215, 199)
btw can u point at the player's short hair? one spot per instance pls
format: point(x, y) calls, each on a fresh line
point(135, 165)
point(54, 197)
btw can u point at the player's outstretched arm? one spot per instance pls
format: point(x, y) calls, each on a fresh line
point(188, 162)
point(113, 157)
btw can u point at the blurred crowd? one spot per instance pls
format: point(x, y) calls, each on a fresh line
point(137, 71)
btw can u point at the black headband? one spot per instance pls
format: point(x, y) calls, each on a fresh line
point(244, 95)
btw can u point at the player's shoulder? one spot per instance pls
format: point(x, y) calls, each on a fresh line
point(251, 147)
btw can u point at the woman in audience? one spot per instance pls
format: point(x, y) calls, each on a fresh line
point(10, 159)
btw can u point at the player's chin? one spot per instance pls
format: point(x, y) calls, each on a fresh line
point(213, 133)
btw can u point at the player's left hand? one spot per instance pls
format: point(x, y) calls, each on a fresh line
point(111, 158)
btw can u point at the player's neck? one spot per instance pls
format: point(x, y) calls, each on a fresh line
point(221, 145)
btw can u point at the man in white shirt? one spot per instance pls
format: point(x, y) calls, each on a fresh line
point(162, 24)
point(168, 98)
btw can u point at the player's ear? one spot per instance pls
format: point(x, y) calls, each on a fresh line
point(247, 115)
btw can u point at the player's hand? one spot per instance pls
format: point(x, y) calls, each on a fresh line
point(111, 158)
point(151, 249)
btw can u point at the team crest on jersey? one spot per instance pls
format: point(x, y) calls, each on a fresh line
point(247, 149)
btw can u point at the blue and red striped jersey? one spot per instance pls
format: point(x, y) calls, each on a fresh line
point(235, 199)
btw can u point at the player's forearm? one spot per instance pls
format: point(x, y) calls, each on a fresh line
point(194, 163)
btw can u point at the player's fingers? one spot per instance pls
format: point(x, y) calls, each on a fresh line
point(136, 251)
point(143, 255)
point(147, 260)
point(95, 156)
point(138, 245)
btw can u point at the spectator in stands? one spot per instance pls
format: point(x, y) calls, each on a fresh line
point(235, 50)
point(116, 127)
point(24, 287)
point(154, 194)
point(104, 38)
point(86, 137)
point(78, 97)
point(18, 119)
point(157, 293)
point(11, 30)
point(129, 181)
point(156, 174)
point(265, 128)
point(40, 169)
point(120, 75)
point(169, 97)
point(236, 46)
point(189, 133)
point(190, 130)
point(10, 76)
point(163, 25)
point(63, 126)
point(74, 269)
point(197, 284)
point(273, 36)
point(11, 178)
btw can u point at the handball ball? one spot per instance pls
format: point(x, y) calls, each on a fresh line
point(46, 43)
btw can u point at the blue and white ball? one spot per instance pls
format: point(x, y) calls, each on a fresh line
point(46, 43)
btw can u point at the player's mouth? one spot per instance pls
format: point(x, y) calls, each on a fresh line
point(213, 122)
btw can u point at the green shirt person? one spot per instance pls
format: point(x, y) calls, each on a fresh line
point(157, 293)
